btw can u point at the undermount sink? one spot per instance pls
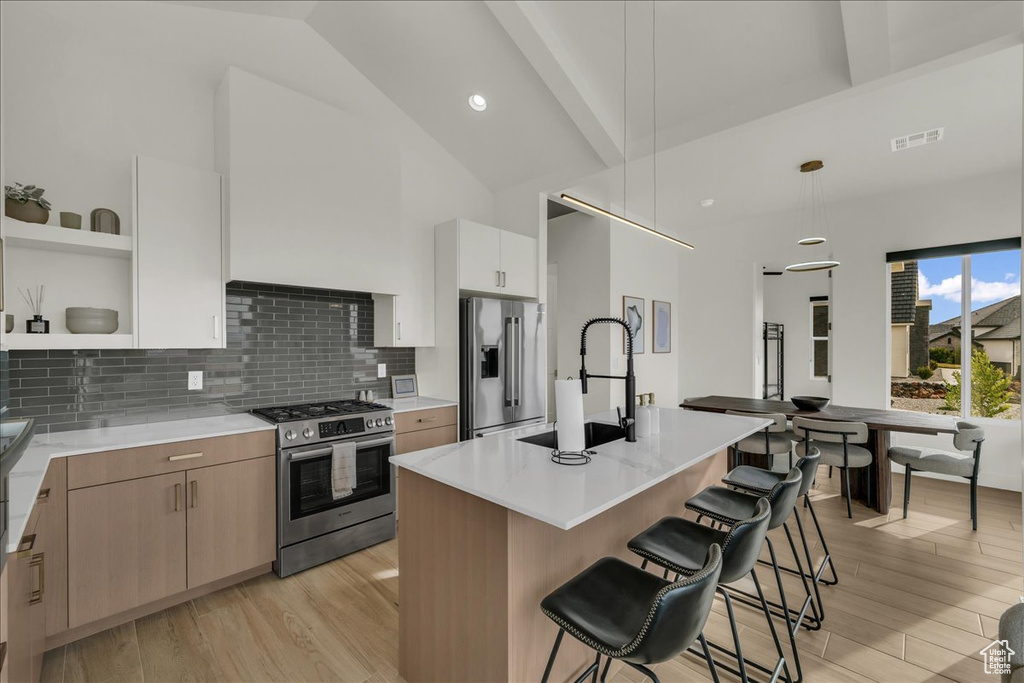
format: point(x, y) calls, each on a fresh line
point(594, 434)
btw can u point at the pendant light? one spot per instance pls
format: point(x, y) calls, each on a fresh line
point(654, 115)
point(812, 219)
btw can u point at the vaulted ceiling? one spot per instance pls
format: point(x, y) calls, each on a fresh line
point(560, 102)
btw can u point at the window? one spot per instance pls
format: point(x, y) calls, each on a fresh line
point(820, 327)
point(929, 297)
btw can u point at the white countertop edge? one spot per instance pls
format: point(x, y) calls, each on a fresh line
point(414, 403)
point(26, 477)
point(565, 526)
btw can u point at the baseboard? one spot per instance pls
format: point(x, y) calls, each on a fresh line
point(86, 630)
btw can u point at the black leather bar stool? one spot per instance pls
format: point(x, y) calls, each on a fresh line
point(679, 545)
point(759, 482)
point(728, 507)
point(775, 439)
point(625, 613)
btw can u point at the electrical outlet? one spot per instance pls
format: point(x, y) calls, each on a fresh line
point(382, 370)
point(195, 380)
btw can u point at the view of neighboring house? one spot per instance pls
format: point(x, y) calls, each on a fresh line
point(996, 328)
point(909, 319)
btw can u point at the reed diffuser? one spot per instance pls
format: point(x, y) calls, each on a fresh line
point(35, 302)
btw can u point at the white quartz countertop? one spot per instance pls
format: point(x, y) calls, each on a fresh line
point(408, 405)
point(521, 476)
point(27, 475)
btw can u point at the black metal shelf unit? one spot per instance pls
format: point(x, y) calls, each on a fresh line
point(774, 357)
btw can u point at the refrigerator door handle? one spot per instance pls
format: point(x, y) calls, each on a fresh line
point(510, 362)
point(519, 360)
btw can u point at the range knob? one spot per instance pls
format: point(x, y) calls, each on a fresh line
point(387, 421)
point(290, 435)
point(308, 432)
point(380, 422)
point(369, 423)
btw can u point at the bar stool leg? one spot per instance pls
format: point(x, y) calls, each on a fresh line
point(790, 627)
point(813, 574)
point(828, 556)
point(708, 657)
point(554, 653)
point(604, 674)
point(771, 627)
point(735, 635)
point(817, 615)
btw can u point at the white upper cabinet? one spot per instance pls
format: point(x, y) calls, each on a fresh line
point(313, 192)
point(178, 257)
point(494, 261)
point(518, 265)
point(479, 257)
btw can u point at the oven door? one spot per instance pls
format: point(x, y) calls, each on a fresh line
point(307, 509)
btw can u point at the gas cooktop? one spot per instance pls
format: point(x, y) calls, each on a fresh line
point(316, 411)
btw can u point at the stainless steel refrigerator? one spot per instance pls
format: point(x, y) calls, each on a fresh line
point(502, 356)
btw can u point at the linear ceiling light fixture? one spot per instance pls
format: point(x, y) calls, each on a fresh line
point(625, 160)
point(623, 220)
point(812, 221)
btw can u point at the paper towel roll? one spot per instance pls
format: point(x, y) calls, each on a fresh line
point(569, 412)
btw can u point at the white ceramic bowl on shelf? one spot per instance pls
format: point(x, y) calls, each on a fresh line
point(83, 320)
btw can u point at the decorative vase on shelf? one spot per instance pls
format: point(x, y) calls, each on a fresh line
point(29, 212)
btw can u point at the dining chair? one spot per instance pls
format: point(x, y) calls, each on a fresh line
point(837, 442)
point(964, 462)
point(775, 439)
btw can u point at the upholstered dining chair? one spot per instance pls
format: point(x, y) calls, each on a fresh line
point(964, 462)
point(838, 444)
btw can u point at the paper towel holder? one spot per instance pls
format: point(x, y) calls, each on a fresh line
point(571, 458)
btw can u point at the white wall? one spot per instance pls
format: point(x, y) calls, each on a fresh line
point(600, 261)
point(580, 245)
point(787, 301)
point(89, 84)
point(863, 230)
point(647, 267)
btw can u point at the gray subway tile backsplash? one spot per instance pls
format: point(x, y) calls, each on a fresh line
point(284, 345)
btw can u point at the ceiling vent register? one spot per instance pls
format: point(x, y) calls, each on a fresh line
point(917, 139)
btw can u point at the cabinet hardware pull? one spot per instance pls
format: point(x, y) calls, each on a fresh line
point(503, 275)
point(497, 278)
point(187, 456)
point(428, 419)
point(44, 495)
point(195, 493)
point(39, 562)
point(177, 497)
point(28, 541)
point(216, 327)
point(399, 331)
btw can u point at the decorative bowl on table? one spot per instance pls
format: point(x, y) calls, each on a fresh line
point(81, 320)
point(811, 403)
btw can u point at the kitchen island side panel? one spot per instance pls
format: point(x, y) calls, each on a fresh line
point(472, 575)
point(453, 584)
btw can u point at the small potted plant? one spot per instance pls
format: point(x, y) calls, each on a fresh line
point(26, 203)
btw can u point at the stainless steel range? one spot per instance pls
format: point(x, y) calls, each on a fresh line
point(312, 526)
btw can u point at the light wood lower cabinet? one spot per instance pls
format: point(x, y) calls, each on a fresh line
point(126, 545)
point(231, 519)
point(425, 438)
point(22, 611)
point(136, 542)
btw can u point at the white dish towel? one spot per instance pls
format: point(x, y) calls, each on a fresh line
point(343, 470)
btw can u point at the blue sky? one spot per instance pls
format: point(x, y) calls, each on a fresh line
point(994, 277)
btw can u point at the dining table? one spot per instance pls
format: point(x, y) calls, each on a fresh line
point(870, 485)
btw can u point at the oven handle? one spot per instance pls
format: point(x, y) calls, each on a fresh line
point(320, 452)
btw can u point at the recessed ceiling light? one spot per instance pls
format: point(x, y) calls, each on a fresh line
point(477, 102)
point(706, 202)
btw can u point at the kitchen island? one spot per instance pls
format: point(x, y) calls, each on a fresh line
point(490, 526)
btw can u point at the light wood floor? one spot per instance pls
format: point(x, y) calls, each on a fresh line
point(917, 600)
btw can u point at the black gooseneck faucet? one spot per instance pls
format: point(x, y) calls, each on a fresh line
point(629, 422)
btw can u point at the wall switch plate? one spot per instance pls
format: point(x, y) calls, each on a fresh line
point(382, 370)
point(195, 380)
